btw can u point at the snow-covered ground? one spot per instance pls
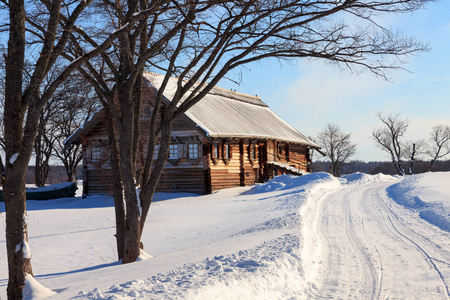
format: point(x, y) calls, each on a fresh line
point(270, 241)
point(428, 194)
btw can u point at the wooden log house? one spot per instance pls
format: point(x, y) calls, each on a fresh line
point(228, 139)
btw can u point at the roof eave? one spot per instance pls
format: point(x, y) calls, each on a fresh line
point(262, 137)
point(87, 126)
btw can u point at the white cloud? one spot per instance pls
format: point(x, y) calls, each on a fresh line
point(322, 95)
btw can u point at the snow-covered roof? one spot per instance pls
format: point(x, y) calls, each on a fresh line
point(86, 127)
point(224, 114)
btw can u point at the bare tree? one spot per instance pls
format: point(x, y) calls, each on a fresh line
point(440, 146)
point(44, 141)
point(200, 42)
point(388, 138)
point(48, 26)
point(413, 151)
point(315, 158)
point(77, 103)
point(337, 146)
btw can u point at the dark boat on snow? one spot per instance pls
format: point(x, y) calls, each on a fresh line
point(54, 191)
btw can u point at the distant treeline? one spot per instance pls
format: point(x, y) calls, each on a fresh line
point(56, 174)
point(375, 167)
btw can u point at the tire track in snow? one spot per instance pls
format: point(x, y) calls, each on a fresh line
point(336, 226)
point(378, 255)
point(430, 260)
point(390, 249)
point(377, 291)
point(418, 247)
point(372, 279)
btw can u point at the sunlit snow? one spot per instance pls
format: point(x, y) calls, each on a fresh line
point(261, 242)
point(13, 158)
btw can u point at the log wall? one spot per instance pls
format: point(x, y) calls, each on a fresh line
point(181, 175)
point(292, 155)
point(226, 173)
point(204, 174)
point(239, 170)
point(250, 170)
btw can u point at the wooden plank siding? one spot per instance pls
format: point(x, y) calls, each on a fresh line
point(202, 175)
point(250, 167)
point(299, 156)
point(190, 180)
point(181, 175)
point(99, 181)
point(226, 172)
point(252, 159)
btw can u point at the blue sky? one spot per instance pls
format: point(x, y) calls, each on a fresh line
point(310, 95)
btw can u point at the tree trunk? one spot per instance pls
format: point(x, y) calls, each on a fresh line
point(149, 187)
point(37, 162)
point(125, 127)
point(70, 176)
point(19, 261)
point(119, 205)
point(14, 185)
point(132, 215)
point(411, 162)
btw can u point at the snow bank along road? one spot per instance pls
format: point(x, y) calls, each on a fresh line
point(308, 237)
point(359, 244)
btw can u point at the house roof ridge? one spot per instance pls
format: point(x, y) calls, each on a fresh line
point(220, 91)
point(225, 113)
point(236, 92)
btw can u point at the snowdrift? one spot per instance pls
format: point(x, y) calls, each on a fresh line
point(239, 243)
point(428, 194)
point(296, 183)
point(361, 178)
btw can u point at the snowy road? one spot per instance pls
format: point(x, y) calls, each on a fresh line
point(307, 237)
point(361, 245)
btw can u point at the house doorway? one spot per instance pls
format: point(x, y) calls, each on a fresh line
point(256, 174)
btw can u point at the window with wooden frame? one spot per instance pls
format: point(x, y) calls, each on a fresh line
point(215, 155)
point(226, 152)
point(215, 151)
point(99, 150)
point(252, 156)
point(97, 153)
point(173, 151)
point(174, 154)
point(193, 152)
point(280, 150)
point(283, 151)
point(253, 151)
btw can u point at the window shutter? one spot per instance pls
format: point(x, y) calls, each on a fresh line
point(223, 151)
